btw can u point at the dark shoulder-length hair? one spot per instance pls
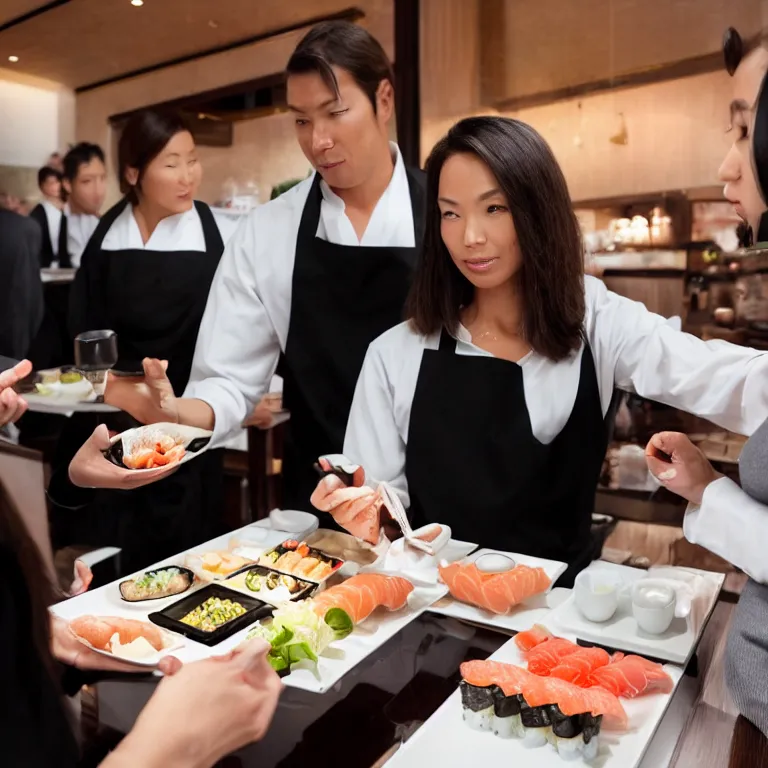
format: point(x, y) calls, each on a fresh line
point(27, 576)
point(552, 272)
point(143, 138)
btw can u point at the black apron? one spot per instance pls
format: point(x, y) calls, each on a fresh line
point(473, 462)
point(154, 301)
point(343, 297)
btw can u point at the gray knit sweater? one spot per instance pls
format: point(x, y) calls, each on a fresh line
point(746, 661)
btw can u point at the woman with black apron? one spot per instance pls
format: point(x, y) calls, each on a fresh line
point(487, 410)
point(145, 274)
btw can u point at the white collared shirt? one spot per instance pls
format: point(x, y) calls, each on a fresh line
point(80, 227)
point(180, 232)
point(53, 216)
point(633, 349)
point(249, 307)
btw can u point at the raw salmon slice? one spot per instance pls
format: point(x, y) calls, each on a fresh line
point(532, 637)
point(361, 595)
point(576, 667)
point(632, 676)
point(98, 631)
point(546, 656)
point(496, 592)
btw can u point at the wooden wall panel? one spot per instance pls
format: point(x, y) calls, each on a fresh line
point(552, 44)
point(450, 57)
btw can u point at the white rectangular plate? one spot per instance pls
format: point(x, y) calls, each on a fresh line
point(338, 660)
point(524, 616)
point(676, 644)
point(446, 740)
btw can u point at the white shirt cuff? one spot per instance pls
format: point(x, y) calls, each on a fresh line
point(230, 408)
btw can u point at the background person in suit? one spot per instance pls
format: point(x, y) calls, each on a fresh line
point(48, 214)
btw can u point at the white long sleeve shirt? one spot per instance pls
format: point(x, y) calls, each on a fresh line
point(246, 320)
point(732, 525)
point(633, 349)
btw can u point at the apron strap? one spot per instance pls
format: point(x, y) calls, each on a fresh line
point(214, 245)
point(310, 216)
point(417, 185)
point(447, 343)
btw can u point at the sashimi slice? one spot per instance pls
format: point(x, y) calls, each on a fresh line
point(98, 631)
point(508, 677)
point(573, 700)
point(495, 592)
point(546, 656)
point(576, 667)
point(361, 595)
point(532, 637)
point(632, 676)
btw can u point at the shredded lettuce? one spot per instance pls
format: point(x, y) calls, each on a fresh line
point(297, 633)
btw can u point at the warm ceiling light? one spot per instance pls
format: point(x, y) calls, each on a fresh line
point(14, 59)
point(137, 3)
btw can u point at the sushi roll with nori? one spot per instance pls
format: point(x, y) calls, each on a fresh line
point(536, 723)
point(477, 704)
point(506, 715)
point(574, 737)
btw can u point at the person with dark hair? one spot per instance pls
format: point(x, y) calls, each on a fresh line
point(85, 183)
point(21, 300)
point(311, 278)
point(218, 705)
point(486, 410)
point(145, 274)
point(728, 520)
point(48, 214)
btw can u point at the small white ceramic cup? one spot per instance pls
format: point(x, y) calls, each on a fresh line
point(597, 594)
point(653, 605)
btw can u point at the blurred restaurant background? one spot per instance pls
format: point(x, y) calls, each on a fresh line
point(632, 96)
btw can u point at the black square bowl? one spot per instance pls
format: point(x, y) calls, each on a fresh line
point(170, 617)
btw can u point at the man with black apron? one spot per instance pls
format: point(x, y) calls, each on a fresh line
point(312, 277)
point(323, 357)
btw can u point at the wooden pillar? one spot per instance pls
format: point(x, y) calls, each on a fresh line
point(408, 80)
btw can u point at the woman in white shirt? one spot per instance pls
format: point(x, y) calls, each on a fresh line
point(146, 274)
point(487, 409)
point(726, 519)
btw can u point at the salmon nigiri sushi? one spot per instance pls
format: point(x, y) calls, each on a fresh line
point(632, 676)
point(496, 592)
point(361, 595)
point(491, 697)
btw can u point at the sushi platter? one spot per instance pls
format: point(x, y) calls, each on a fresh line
point(210, 617)
point(484, 723)
point(621, 630)
point(531, 611)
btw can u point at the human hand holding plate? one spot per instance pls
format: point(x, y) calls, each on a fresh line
point(91, 469)
point(69, 650)
point(12, 405)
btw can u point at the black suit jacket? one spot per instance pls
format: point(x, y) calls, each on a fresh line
point(21, 289)
point(46, 251)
